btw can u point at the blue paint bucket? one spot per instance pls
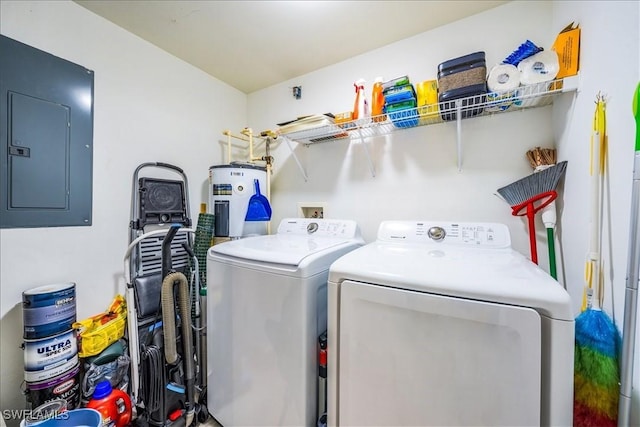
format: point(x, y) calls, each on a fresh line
point(48, 310)
point(85, 417)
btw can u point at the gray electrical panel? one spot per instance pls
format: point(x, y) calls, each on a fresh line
point(46, 139)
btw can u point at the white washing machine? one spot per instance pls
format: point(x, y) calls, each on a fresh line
point(443, 324)
point(267, 306)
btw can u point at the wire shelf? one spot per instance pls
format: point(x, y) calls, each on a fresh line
point(524, 97)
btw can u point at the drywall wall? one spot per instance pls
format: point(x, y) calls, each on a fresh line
point(148, 106)
point(416, 174)
point(610, 64)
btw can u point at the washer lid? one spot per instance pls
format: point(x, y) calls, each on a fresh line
point(278, 248)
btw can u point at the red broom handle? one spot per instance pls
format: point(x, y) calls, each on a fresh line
point(531, 217)
point(530, 209)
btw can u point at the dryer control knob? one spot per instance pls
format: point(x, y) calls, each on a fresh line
point(436, 233)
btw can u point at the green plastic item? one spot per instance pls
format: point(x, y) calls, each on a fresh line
point(552, 254)
point(636, 114)
point(109, 354)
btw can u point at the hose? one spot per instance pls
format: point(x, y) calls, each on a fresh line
point(169, 323)
point(152, 378)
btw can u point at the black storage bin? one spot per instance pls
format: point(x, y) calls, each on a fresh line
point(463, 77)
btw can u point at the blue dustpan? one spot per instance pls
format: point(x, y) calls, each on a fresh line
point(259, 208)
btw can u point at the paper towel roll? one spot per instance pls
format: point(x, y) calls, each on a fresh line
point(502, 82)
point(503, 77)
point(539, 68)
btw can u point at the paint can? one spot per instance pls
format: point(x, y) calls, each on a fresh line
point(65, 386)
point(48, 310)
point(47, 353)
point(51, 371)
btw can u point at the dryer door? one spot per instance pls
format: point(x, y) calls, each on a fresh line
point(410, 358)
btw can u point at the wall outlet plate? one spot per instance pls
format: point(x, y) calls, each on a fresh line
point(312, 209)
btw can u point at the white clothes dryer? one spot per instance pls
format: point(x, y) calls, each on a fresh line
point(444, 324)
point(267, 306)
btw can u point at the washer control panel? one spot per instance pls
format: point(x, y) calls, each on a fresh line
point(319, 227)
point(489, 235)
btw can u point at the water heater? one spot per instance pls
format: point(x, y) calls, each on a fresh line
point(230, 189)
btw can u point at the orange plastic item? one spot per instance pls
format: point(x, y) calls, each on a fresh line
point(113, 405)
point(377, 101)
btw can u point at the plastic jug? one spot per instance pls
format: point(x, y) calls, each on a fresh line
point(377, 101)
point(113, 405)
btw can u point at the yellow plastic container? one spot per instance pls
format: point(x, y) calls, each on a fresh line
point(427, 94)
point(98, 332)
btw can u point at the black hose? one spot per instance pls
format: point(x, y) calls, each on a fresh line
point(166, 249)
point(153, 378)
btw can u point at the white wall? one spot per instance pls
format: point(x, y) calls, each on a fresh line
point(416, 169)
point(148, 106)
point(610, 64)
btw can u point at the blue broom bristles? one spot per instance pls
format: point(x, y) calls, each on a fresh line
point(596, 330)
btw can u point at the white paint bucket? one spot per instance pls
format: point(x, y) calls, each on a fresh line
point(50, 352)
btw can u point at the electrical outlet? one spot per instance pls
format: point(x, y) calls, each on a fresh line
point(312, 209)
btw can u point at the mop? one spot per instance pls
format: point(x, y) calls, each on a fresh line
point(597, 341)
point(631, 291)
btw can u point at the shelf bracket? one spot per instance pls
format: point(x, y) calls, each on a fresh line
point(459, 132)
point(295, 157)
point(372, 168)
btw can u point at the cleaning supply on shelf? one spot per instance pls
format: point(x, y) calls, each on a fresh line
point(377, 101)
point(361, 105)
point(525, 50)
point(398, 81)
point(113, 405)
point(427, 93)
point(400, 102)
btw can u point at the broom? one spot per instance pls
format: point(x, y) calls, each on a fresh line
point(532, 193)
point(597, 340)
point(541, 159)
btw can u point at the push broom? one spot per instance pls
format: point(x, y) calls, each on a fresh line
point(597, 341)
point(532, 193)
point(541, 159)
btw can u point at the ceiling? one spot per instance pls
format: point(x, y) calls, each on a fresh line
point(252, 45)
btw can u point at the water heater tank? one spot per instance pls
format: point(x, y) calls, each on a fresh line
point(230, 188)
